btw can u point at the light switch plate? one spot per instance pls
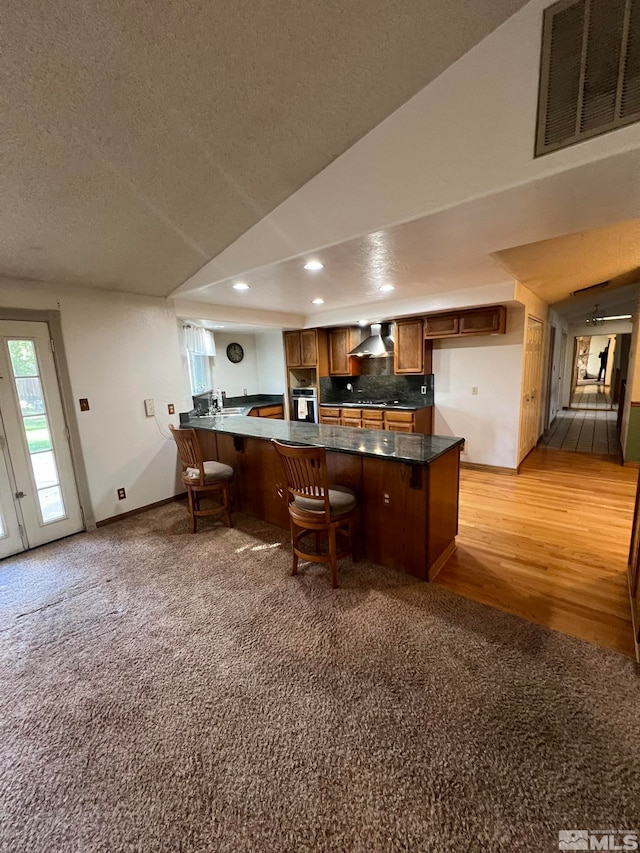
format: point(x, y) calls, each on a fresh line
point(149, 407)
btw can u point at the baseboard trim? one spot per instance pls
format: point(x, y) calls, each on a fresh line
point(491, 469)
point(634, 626)
point(146, 508)
point(442, 559)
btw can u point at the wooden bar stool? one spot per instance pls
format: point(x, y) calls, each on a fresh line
point(202, 478)
point(315, 506)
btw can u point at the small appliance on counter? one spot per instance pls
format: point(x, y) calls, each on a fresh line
point(304, 404)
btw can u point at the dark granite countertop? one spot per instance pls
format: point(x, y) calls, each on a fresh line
point(402, 447)
point(403, 407)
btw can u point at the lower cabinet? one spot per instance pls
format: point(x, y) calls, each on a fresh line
point(276, 412)
point(330, 416)
point(351, 417)
point(399, 421)
point(420, 420)
point(373, 419)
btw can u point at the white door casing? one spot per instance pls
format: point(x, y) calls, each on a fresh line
point(37, 439)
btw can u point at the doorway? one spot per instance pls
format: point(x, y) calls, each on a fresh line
point(589, 424)
point(39, 499)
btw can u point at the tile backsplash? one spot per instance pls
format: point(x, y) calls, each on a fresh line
point(405, 389)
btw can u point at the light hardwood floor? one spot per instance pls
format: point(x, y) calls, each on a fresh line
point(549, 545)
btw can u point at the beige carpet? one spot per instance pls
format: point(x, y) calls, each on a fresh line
point(169, 692)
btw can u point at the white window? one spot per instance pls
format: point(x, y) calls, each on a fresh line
point(200, 349)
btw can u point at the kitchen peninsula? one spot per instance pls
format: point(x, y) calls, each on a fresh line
point(406, 484)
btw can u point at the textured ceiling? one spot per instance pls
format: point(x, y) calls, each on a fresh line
point(139, 139)
point(554, 269)
point(461, 248)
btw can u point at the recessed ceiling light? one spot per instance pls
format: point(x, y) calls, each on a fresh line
point(313, 265)
point(240, 285)
point(386, 287)
point(318, 300)
point(363, 322)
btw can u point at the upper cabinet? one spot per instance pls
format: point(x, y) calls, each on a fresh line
point(341, 342)
point(475, 321)
point(306, 348)
point(409, 346)
point(301, 348)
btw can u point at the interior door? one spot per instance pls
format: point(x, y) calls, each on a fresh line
point(531, 386)
point(43, 498)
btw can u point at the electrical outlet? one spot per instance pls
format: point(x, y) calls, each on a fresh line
point(149, 407)
point(121, 494)
point(423, 389)
point(171, 408)
point(464, 448)
point(84, 404)
point(386, 498)
point(474, 390)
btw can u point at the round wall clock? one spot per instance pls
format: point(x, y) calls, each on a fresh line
point(235, 353)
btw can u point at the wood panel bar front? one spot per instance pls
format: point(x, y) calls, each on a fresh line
point(408, 513)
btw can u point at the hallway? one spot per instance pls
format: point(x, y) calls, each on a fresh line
point(589, 426)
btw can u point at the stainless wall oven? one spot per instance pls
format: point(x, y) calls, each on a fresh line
point(304, 405)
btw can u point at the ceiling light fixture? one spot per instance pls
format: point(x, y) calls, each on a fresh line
point(363, 322)
point(387, 287)
point(318, 300)
point(617, 317)
point(314, 265)
point(592, 319)
point(240, 285)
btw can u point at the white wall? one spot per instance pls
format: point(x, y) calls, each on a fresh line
point(231, 378)
point(271, 365)
point(261, 371)
point(120, 349)
point(488, 421)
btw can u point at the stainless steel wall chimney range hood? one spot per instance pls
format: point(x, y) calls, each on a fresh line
point(379, 344)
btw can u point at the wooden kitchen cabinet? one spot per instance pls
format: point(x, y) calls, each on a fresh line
point(420, 420)
point(352, 417)
point(341, 342)
point(441, 325)
point(301, 348)
point(330, 416)
point(484, 321)
point(276, 412)
point(399, 421)
point(475, 321)
point(372, 419)
point(409, 346)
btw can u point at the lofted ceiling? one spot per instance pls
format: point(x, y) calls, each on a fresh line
point(460, 249)
point(141, 139)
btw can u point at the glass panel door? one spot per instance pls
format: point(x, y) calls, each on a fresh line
point(11, 538)
point(36, 434)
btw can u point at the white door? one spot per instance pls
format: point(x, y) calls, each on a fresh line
point(38, 495)
point(531, 384)
point(11, 529)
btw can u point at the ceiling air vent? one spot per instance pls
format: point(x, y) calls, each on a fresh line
point(590, 71)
